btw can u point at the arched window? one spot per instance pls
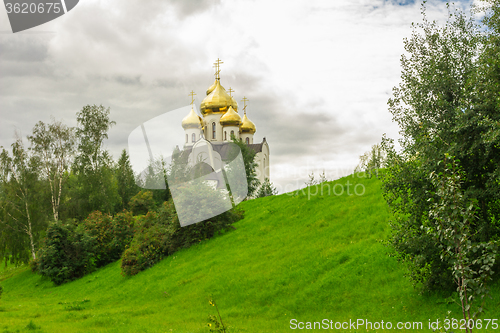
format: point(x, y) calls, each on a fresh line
point(225, 136)
point(213, 131)
point(232, 134)
point(247, 140)
point(186, 138)
point(193, 137)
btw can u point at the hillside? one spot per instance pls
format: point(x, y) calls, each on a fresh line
point(293, 257)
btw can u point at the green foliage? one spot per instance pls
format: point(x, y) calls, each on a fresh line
point(266, 189)
point(54, 146)
point(250, 165)
point(32, 326)
point(67, 254)
point(445, 104)
point(95, 186)
point(215, 323)
point(112, 235)
point(370, 162)
point(290, 257)
point(159, 234)
point(22, 214)
point(124, 174)
point(142, 203)
point(69, 251)
point(451, 218)
point(155, 179)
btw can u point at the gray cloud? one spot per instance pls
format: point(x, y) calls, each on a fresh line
point(317, 84)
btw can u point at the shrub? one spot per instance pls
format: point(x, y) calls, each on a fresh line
point(267, 189)
point(68, 252)
point(111, 234)
point(142, 203)
point(160, 234)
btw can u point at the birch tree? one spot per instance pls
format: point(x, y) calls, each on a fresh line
point(54, 145)
point(22, 218)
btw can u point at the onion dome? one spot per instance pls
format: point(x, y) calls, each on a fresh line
point(247, 126)
point(212, 87)
point(230, 118)
point(218, 100)
point(234, 104)
point(192, 120)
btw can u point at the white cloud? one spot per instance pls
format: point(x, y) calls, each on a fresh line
point(297, 62)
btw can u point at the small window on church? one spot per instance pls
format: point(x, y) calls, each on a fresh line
point(247, 140)
point(186, 138)
point(213, 131)
point(193, 138)
point(232, 134)
point(225, 136)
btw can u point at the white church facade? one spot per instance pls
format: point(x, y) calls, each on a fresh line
point(220, 120)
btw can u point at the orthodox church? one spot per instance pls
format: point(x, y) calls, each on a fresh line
point(220, 120)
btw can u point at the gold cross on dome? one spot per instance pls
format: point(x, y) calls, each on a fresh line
point(245, 100)
point(192, 96)
point(230, 91)
point(217, 68)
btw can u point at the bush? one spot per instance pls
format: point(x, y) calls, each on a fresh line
point(142, 203)
point(67, 254)
point(160, 234)
point(266, 189)
point(112, 235)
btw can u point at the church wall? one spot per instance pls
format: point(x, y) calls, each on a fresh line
point(244, 136)
point(189, 132)
point(259, 170)
point(266, 154)
point(209, 119)
point(228, 129)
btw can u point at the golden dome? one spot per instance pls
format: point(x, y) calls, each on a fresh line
point(247, 126)
point(230, 118)
point(192, 120)
point(218, 100)
point(212, 87)
point(234, 104)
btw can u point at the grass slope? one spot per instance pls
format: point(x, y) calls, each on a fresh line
point(301, 256)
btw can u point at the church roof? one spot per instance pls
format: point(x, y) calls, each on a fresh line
point(192, 120)
point(256, 147)
point(230, 118)
point(224, 149)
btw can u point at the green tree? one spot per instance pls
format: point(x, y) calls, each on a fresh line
point(68, 253)
point(450, 225)
point(440, 108)
point(266, 189)
point(54, 145)
point(127, 187)
point(95, 186)
point(22, 218)
point(250, 165)
point(370, 162)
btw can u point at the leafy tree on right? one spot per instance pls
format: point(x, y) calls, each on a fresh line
point(447, 107)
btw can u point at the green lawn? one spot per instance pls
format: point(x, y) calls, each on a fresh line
point(299, 257)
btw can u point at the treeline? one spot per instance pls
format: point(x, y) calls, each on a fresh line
point(67, 207)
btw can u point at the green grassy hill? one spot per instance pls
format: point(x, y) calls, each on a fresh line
point(300, 256)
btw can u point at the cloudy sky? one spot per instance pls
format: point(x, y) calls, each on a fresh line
point(317, 74)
